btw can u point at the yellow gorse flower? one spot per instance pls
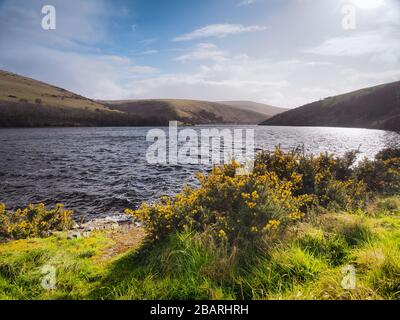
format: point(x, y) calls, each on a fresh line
point(222, 234)
point(231, 206)
point(33, 221)
point(2, 208)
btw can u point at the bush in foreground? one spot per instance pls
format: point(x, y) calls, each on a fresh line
point(33, 221)
point(282, 189)
point(381, 175)
point(232, 208)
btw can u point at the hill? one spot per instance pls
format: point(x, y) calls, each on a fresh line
point(187, 111)
point(25, 102)
point(255, 106)
point(372, 108)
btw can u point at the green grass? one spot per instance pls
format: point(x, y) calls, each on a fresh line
point(304, 263)
point(21, 263)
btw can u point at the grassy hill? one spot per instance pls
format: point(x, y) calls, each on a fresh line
point(26, 102)
point(15, 88)
point(187, 111)
point(255, 106)
point(373, 108)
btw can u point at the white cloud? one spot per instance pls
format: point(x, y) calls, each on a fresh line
point(143, 69)
point(218, 30)
point(68, 56)
point(276, 71)
point(285, 83)
point(21, 20)
point(380, 45)
point(203, 51)
point(228, 77)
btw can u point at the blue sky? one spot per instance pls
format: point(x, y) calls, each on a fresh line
point(280, 52)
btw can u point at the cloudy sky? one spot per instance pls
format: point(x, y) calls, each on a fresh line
point(281, 52)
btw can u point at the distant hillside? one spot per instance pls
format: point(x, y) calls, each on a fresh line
point(255, 106)
point(374, 108)
point(25, 102)
point(187, 111)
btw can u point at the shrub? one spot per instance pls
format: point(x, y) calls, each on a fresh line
point(33, 221)
point(330, 180)
point(282, 189)
point(383, 174)
point(344, 195)
point(233, 208)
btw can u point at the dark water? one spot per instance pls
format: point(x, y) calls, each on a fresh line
point(100, 171)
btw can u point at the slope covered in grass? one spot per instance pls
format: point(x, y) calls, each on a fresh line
point(188, 111)
point(373, 108)
point(25, 102)
point(19, 89)
point(263, 108)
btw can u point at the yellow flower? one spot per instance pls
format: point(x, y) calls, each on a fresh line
point(255, 195)
point(251, 205)
point(272, 225)
point(245, 195)
point(222, 234)
point(23, 225)
point(295, 215)
point(129, 211)
point(2, 208)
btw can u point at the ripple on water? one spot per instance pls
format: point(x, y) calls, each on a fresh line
point(101, 171)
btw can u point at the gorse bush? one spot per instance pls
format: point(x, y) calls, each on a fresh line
point(233, 208)
point(33, 221)
point(330, 180)
point(381, 175)
point(281, 190)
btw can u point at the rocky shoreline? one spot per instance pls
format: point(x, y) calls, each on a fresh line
point(80, 230)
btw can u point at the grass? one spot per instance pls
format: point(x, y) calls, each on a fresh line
point(189, 111)
point(18, 89)
point(304, 263)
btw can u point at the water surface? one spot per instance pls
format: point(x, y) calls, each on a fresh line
point(100, 171)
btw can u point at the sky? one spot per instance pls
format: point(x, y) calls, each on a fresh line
point(281, 52)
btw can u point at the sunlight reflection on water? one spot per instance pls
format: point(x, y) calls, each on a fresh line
point(101, 171)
